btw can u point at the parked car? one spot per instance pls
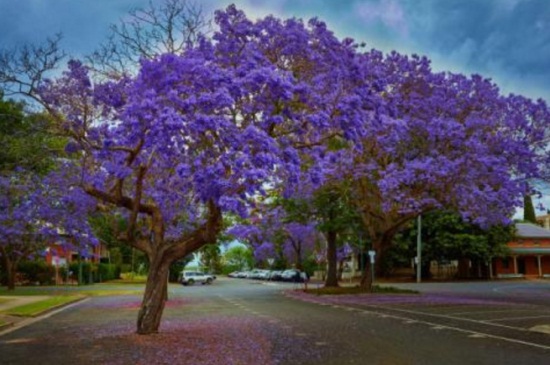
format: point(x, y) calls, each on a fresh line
point(255, 274)
point(293, 275)
point(234, 274)
point(276, 275)
point(192, 277)
point(243, 274)
point(263, 274)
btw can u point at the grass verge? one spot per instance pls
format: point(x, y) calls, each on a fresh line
point(37, 308)
point(127, 281)
point(106, 293)
point(358, 290)
point(103, 289)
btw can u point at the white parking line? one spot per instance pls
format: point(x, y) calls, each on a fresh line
point(448, 317)
point(470, 332)
point(486, 311)
point(517, 318)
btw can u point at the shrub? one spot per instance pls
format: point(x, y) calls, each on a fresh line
point(108, 272)
point(32, 272)
point(88, 270)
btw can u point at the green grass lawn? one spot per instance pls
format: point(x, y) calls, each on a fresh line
point(103, 289)
point(29, 290)
point(130, 278)
point(34, 309)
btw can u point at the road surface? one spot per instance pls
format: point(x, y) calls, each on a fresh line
point(236, 321)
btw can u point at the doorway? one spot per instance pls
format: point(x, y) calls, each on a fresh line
point(521, 265)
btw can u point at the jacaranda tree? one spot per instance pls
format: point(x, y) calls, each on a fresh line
point(197, 134)
point(36, 211)
point(279, 105)
point(272, 233)
point(437, 140)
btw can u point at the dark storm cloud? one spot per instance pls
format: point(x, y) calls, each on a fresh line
point(507, 40)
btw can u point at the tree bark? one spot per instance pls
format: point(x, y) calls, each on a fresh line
point(12, 272)
point(332, 260)
point(161, 255)
point(154, 298)
point(11, 269)
point(366, 277)
point(299, 263)
point(380, 245)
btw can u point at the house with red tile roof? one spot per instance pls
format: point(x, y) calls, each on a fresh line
point(529, 255)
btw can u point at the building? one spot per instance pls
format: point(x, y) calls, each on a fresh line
point(544, 221)
point(529, 254)
point(62, 255)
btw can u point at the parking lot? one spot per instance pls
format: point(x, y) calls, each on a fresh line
point(511, 312)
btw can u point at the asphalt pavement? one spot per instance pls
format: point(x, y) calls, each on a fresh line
point(236, 321)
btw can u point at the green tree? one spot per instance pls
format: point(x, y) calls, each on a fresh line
point(210, 258)
point(178, 266)
point(446, 236)
point(26, 139)
point(28, 149)
point(339, 222)
point(529, 209)
point(238, 258)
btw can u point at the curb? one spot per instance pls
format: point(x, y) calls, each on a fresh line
point(43, 315)
point(6, 326)
point(59, 306)
point(46, 311)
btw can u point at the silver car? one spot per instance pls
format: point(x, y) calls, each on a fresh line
point(192, 277)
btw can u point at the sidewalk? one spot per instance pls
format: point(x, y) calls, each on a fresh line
point(15, 301)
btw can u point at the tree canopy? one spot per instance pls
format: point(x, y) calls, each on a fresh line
point(284, 106)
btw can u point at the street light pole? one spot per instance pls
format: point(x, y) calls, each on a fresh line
point(419, 250)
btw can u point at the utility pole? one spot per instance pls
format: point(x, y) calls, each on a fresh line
point(419, 250)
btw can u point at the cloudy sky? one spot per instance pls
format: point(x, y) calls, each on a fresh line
point(506, 40)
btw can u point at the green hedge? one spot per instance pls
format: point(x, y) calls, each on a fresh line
point(108, 272)
point(94, 273)
point(36, 272)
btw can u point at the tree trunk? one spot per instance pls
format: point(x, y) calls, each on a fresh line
point(11, 271)
point(340, 269)
point(154, 298)
point(299, 263)
point(332, 260)
point(366, 277)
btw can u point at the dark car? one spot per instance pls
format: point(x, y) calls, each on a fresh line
point(276, 275)
point(292, 275)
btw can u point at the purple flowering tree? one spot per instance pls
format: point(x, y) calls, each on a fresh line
point(271, 235)
point(437, 140)
point(35, 212)
point(299, 241)
point(19, 235)
point(197, 134)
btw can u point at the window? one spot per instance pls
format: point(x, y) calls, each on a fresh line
point(506, 263)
